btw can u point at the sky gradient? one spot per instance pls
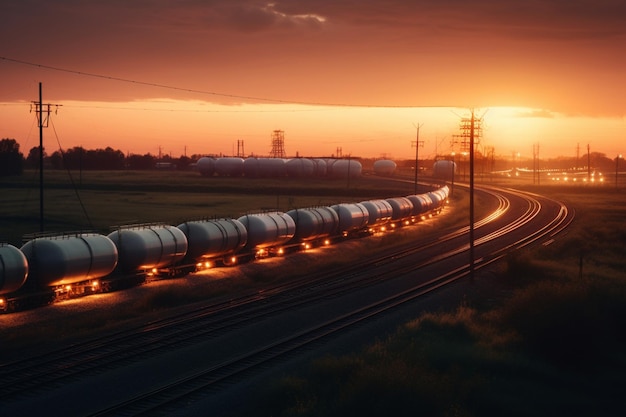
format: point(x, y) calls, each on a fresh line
point(193, 76)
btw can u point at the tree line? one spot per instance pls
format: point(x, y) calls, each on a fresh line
point(13, 161)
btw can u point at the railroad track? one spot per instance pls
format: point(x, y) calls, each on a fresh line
point(24, 379)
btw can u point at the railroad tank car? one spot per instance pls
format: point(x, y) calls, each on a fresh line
point(206, 166)
point(229, 167)
point(13, 268)
point(352, 216)
point(300, 168)
point(438, 198)
point(69, 259)
point(380, 211)
point(147, 247)
point(385, 167)
point(421, 204)
point(268, 229)
point(213, 238)
point(402, 208)
point(314, 223)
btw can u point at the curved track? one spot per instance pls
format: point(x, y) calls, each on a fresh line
point(169, 365)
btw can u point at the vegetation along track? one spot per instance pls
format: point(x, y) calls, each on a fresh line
point(514, 223)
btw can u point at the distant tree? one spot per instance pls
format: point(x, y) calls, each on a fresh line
point(32, 160)
point(183, 163)
point(11, 159)
point(146, 161)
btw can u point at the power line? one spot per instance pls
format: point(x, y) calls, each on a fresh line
point(212, 93)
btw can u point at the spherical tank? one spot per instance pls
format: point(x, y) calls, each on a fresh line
point(13, 268)
point(342, 168)
point(384, 167)
point(64, 260)
point(380, 211)
point(142, 248)
point(209, 238)
point(268, 229)
point(229, 167)
point(444, 169)
point(321, 167)
point(300, 168)
point(206, 166)
point(352, 216)
point(314, 223)
point(402, 207)
point(421, 203)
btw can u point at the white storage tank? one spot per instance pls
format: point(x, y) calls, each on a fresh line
point(402, 207)
point(380, 211)
point(321, 167)
point(342, 168)
point(314, 223)
point(268, 229)
point(61, 260)
point(444, 169)
point(145, 247)
point(206, 166)
point(13, 268)
point(264, 167)
point(421, 203)
point(385, 167)
point(229, 167)
point(300, 168)
point(213, 238)
point(352, 216)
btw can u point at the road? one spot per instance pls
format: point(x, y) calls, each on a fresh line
point(207, 362)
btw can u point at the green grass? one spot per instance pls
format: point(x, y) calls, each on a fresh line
point(552, 343)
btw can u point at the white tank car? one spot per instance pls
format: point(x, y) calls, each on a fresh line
point(213, 238)
point(146, 247)
point(68, 259)
point(13, 268)
point(380, 211)
point(315, 222)
point(421, 203)
point(352, 216)
point(402, 208)
point(268, 229)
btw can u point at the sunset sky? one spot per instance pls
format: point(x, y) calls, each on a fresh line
point(191, 76)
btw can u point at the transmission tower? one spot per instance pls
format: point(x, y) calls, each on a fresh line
point(278, 144)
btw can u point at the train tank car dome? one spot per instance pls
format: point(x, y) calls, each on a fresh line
point(385, 167)
point(13, 268)
point(212, 238)
point(352, 216)
point(380, 211)
point(69, 259)
point(147, 247)
point(268, 229)
point(314, 223)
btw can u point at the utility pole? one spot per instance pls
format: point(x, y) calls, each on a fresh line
point(43, 118)
point(471, 230)
point(417, 144)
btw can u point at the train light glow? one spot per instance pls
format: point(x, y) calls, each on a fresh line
point(327, 242)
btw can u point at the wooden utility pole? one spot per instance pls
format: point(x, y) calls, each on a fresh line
point(417, 146)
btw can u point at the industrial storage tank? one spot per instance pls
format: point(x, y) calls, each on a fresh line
point(342, 168)
point(13, 268)
point(380, 211)
point(421, 203)
point(206, 166)
point(402, 208)
point(264, 167)
point(213, 238)
point(384, 167)
point(314, 223)
point(68, 259)
point(321, 167)
point(300, 168)
point(352, 216)
point(149, 246)
point(444, 169)
point(229, 167)
point(268, 229)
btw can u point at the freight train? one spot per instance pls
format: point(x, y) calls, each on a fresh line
point(48, 268)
